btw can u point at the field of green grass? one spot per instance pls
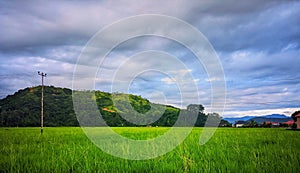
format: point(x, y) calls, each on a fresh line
point(67, 149)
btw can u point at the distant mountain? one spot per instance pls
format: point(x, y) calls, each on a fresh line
point(280, 118)
point(275, 116)
point(232, 120)
point(269, 118)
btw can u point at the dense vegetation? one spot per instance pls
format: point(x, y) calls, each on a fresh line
point(64, 149)
point(23, 109)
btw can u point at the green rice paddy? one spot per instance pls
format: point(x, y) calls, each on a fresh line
point(67, 149)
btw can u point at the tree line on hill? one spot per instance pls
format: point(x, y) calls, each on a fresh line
point(23, 108)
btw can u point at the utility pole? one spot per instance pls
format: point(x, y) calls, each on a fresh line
point(42, 100)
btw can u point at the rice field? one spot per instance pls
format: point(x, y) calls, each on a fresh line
point(67, 149)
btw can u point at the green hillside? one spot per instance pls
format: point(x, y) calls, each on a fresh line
point(23, 109)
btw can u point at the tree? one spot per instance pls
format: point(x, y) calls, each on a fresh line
point(294, 115)
point(252, 123)
point(195, 108)
point(225, 123)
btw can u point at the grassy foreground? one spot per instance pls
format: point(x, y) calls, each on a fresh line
point(229, 150)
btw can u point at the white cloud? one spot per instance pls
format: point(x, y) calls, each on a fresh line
point(168, 80)
point(262, 112)
point(213, 79)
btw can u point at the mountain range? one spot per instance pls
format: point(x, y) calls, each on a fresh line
point(280, 118)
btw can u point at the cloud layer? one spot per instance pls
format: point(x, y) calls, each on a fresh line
point(258, 43)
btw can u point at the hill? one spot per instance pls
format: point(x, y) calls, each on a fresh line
point(280, 118)
point(23, 109)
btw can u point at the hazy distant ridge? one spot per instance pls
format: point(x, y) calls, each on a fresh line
point(280, 118)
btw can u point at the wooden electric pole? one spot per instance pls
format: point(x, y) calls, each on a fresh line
point(42, 100)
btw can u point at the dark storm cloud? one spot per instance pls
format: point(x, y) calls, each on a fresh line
point(258, 43)
point(26, 24)
point(254, 25)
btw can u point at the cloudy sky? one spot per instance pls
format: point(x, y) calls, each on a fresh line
point(257, 42)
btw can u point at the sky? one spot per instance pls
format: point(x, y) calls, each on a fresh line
point(257, 43)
